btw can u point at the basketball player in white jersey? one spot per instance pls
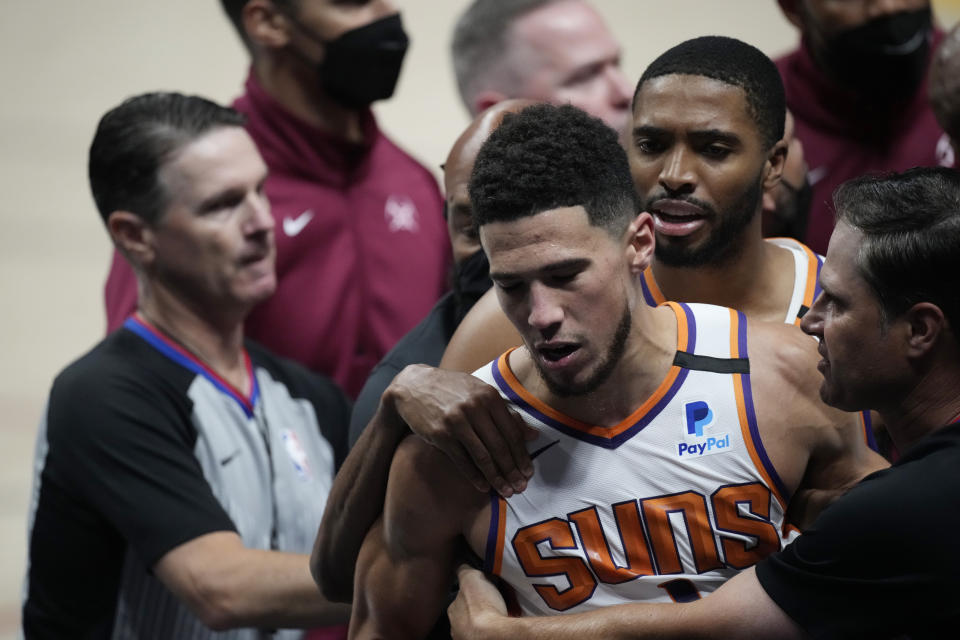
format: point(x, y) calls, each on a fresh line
point(705, 147)
point(671, 439)
point(697, 111)
point(867, 568)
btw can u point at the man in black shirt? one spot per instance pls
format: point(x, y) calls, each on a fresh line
point(882, 560)
point(180, 471)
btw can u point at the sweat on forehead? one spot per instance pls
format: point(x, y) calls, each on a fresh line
point(733, 62)
point(548, 157)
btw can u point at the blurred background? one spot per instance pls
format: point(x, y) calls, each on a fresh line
point(66, 63)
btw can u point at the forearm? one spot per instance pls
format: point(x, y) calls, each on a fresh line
point(355, 502)
point(623, 622)
point(397, 596)
point(228, 586)
point(405, 568)
point(739, 610)
point(273, 590)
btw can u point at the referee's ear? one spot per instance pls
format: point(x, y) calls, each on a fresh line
point(133, 237)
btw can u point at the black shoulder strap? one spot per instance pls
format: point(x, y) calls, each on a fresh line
point(709, 363)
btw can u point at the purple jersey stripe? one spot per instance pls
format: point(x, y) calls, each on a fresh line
point(489, 556)
point(868, 430)
point(816, 288)
point(646, 293)
point(691, 329)
point(751, 413)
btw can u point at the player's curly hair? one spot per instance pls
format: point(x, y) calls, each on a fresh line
point(548, 157)
point(733, 62)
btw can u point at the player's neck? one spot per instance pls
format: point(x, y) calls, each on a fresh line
point(216, 339)
point(757, 280)
point(296, 87)
point(645, 363)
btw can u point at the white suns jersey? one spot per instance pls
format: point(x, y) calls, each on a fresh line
point(665, 506)
point(806, 282)
point(806, 285)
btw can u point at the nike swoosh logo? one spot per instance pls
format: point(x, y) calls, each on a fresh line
point(542, 449)
point(909, 46)
point(224, 461)
point(293, 226)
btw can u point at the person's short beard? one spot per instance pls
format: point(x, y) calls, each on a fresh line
point(721, 245)
point(611, 358)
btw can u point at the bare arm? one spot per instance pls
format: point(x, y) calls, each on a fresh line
point(406, 564)
point(355, 502)
point(483, 335)
point(455, 412)
point(839, 459)
point(738, 609)
point(227, 585)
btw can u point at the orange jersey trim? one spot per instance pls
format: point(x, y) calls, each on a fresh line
point(650, 283)
point(597, 431)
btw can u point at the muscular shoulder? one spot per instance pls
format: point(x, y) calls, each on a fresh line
point(783, 366)
point(421, 470)
point(425, 491)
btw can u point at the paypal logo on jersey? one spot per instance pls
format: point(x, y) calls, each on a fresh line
point(698, 416)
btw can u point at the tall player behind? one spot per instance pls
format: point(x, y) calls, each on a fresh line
point(643, 411)
point(704, 114)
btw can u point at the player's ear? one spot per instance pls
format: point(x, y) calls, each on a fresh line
point(792, 12)
point(132, 236)
point(265, 25)
point(640, 243)
point(773, 167)
point(925, 324)
point(486, 99)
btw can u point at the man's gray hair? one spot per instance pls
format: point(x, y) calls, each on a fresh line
point(480, 42)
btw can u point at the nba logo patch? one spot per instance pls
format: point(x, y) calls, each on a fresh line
point(297, 455)
point(698, 439)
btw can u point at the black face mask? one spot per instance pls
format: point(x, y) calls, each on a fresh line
point(471, 280)
point(363, 65)
point(883, 59)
